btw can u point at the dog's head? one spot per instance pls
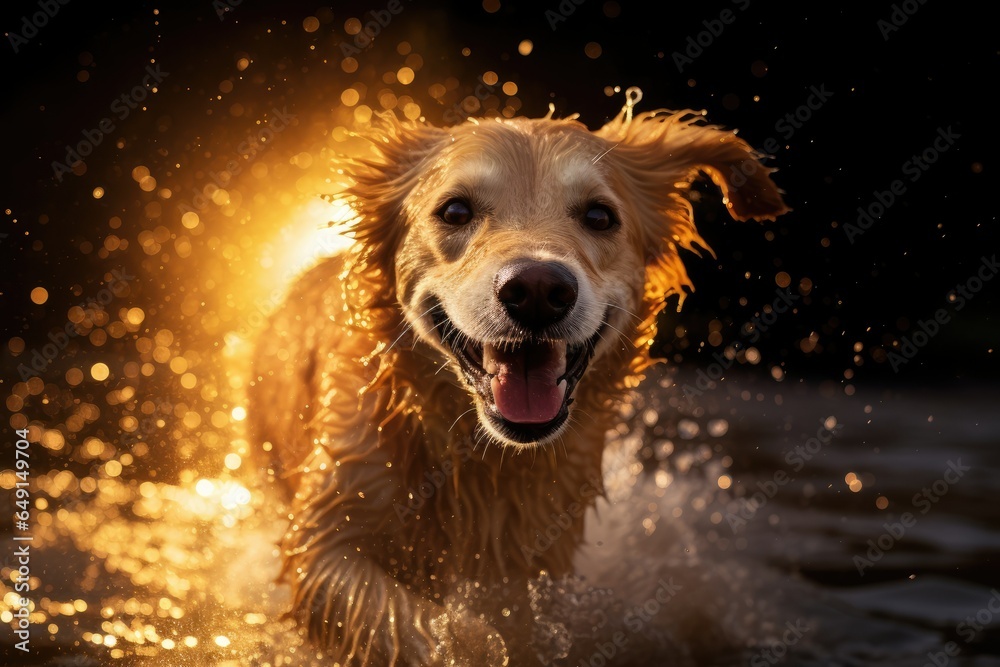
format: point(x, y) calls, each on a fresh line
point(525, 249)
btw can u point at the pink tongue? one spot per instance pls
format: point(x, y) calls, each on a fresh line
point(526, 386)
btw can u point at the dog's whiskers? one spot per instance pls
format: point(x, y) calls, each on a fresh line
point(483, 435)
point(619, 332)
point(409, 325)
point(624, 310)
point(581, 411)
point(472, 409)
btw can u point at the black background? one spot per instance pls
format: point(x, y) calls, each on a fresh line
point(889, 99)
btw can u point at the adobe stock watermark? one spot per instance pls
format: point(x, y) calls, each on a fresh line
point(705, 378)
point(796, 459)
point(22, 538)
point(786, 127)
point(457, 113)
point(910, 346)
point(122, 106)
point(635, 619)
point(760, 323)
point(224, 7)
point(968, 629)
point(914, 168)
point(40, 359)
point(923, 501)
point(698, 43)
point(381, 18)
point(900, 14)
point(31, 25)
point(777, 651)
point(963, 293)
point(264, 308)
point(560, 522)
point(562, 12)
point(246, 152)
point(428, 487)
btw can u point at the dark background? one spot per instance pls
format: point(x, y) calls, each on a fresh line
point(889, 99)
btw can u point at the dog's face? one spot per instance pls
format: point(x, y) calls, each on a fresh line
point(519, 264)
point(524, 251)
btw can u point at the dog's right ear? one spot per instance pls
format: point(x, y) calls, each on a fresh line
point(401, 155)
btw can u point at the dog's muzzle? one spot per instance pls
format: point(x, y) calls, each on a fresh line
point(525, 377)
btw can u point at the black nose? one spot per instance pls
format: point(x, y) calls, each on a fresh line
point(536, 294)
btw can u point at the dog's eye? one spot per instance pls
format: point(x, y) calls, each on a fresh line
point(456, 212)
point(600, 218)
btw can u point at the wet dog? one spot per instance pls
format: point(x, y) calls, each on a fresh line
point(434, 396)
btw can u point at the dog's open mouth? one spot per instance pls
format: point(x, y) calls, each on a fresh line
point(526, 386)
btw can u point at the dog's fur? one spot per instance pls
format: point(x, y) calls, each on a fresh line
point(403, 493)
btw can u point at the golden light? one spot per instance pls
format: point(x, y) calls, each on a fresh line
point(233, 495)
point(39, 295)
point(239, 413)
point(350, 96)
point(135, 316)
point(190, 220)
point(100, 371)
point(222, 641)
point(853, 482)
point(363, 114)
point(405, 76)
point(313, 232)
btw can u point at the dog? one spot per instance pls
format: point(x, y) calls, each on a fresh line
point(432, 397)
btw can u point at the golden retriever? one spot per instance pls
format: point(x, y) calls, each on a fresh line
point(437, 398)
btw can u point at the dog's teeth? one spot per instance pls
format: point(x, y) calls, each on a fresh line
point(489, 359)
point(560, 349)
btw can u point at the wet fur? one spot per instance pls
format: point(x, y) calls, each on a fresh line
point(358, 412)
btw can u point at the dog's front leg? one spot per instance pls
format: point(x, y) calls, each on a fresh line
point(352, 606)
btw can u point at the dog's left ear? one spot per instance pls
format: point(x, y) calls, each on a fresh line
point(654, 158)
point(666, 151)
